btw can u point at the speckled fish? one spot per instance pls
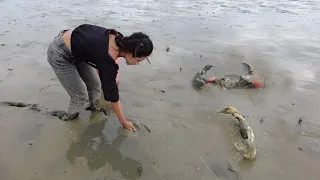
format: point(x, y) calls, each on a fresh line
point(252, 80)
point(247, 135)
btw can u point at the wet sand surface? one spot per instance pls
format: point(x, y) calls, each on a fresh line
point(188, 140)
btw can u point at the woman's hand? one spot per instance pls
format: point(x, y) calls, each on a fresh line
point(128, 125)
point(118, 110)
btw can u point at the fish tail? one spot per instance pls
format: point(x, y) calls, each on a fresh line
point(249, 67)
point(205, 69)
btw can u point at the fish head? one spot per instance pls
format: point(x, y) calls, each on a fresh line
point(228, 110)
point(257, 84)
point(251, 80)
point(247, 78)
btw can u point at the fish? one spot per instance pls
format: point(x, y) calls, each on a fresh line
point(247, 135)
point(230, 81)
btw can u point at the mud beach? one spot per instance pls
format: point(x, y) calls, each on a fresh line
point(180, 134)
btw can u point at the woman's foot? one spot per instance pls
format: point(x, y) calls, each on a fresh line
point(65, 116)
point(96, 107)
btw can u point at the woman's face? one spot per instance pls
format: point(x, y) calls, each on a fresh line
point(133, 60)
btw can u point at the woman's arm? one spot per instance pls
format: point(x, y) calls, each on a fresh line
point(117, 108)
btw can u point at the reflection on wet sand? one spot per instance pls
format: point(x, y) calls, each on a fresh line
point(100, 150)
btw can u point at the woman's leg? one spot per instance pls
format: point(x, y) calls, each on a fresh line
point(68, 75)
point(92, 80)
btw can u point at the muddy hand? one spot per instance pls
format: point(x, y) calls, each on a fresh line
point(128, 125)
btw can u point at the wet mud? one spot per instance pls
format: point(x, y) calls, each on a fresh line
point(279, 38)
point(33, 107)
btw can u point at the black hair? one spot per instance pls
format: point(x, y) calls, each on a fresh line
point(138, 43)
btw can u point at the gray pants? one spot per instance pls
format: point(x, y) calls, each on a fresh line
point(78, 78)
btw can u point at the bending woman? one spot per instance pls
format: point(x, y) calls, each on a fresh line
point(75, 54)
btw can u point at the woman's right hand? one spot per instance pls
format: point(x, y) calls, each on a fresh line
point(128, 125)
point(118, 110)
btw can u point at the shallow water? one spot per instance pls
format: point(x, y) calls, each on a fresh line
point(188, 140)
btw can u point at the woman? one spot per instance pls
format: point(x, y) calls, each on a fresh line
point(75, 54)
